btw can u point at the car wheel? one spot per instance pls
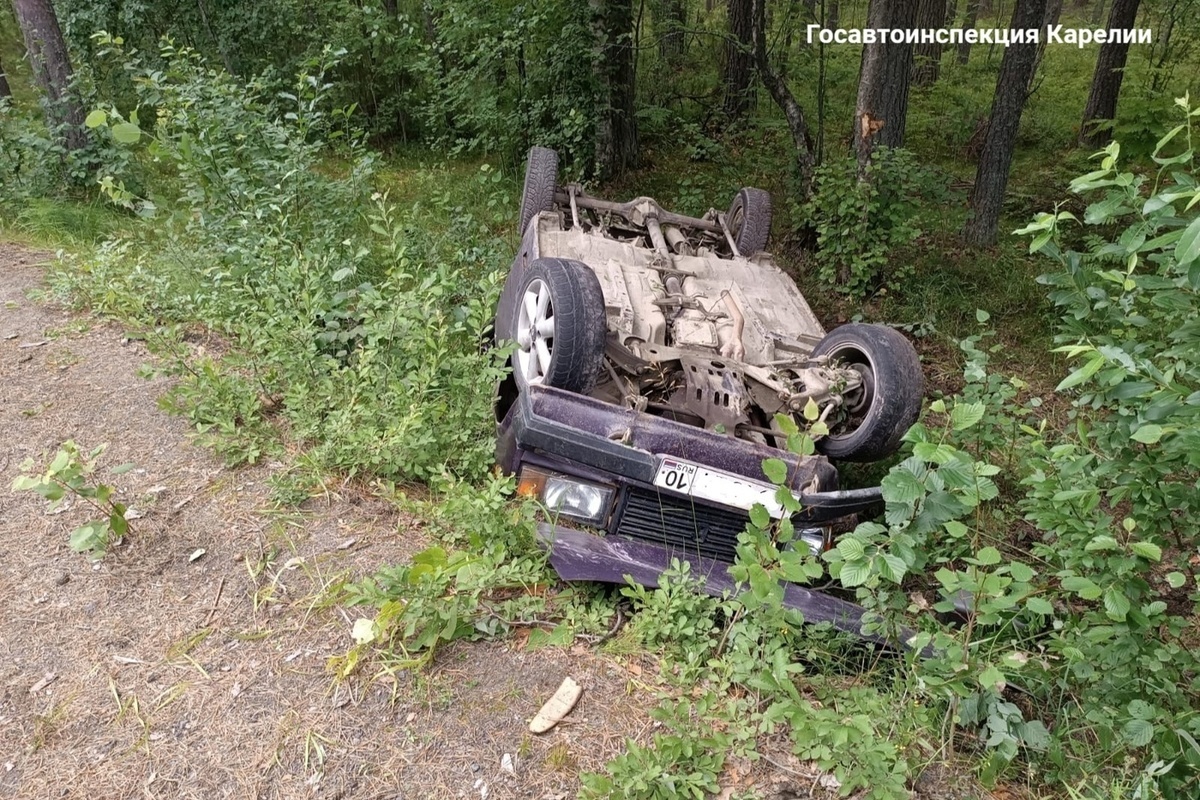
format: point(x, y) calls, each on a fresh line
point(560, 326)
point(541, 178)
point(749, 220)
point(876, 415)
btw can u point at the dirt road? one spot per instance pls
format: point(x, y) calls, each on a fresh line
point(160, 673)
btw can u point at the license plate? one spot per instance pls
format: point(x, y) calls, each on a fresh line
point(716, 486)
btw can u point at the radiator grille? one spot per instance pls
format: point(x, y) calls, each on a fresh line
point(687, 527)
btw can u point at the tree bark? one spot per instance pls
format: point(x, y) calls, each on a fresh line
point(737, 64)
point(616, 131)
point(927, 56)
point(777, 87)
point(1101, 105)
point(51, 66)
point(972, 15)
point(671, 25)
point(5, 91)
point(995, 159)
point(212, 35)
point(1160, 51)
point(833, 14)
point(882, 106)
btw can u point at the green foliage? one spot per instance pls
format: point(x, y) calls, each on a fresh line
point(463, 75)
point(505, 75)
point(446, 593)
point(684, 763)
point(675, 614)
point(859, 223)
point(28, 159)
point(1111, 491)
point(68, 475)
point(355, 321)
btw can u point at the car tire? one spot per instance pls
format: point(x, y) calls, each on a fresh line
point(559, 326)
point(541, 178)
point(749, 220)
point(888, 403)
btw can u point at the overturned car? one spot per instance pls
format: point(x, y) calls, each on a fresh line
point(653, 353)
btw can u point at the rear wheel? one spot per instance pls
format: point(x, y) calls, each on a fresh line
point(749, 220)
point(541, 178)
point(560, 326)
point(875, 415)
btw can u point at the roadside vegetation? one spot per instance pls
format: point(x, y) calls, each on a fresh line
point(311, 238)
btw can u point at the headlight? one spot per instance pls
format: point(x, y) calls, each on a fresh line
point(586, 502)
point(817, 539)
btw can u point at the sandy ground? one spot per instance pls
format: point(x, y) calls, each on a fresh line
point(153, 675)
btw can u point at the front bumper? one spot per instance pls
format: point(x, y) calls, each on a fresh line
point(596, 441)
point(580, 556)
point(600, 439)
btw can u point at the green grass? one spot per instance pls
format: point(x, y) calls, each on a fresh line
point(72, 223)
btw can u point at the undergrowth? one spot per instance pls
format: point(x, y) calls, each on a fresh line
point(353, 322)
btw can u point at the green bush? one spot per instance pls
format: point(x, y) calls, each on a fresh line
point(859, 223)
point(1116, 495)
point(352, 320)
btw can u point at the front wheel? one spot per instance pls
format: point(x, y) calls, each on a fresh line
point(560, 326)
point(874, 416)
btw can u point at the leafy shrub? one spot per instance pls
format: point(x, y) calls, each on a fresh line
point(28, 159)
point(674, 614)
point(69, 476)
point(686, 762)
point(1115, 493)
point(859, 223)
point(353, 321)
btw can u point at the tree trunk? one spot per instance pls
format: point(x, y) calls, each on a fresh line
point(670, 34)
point(995, 159)
point(1160, 52)
point(220, 46)
point(4, 90)
point(964, 47)
point(777, 87)
point(1053, 13)
point(616, 131)
point(738, 62)
point(882, 105)
point(1101, 105)
point(51, 66)
point(833, 14)
point(927, 56)
point(389, 8)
